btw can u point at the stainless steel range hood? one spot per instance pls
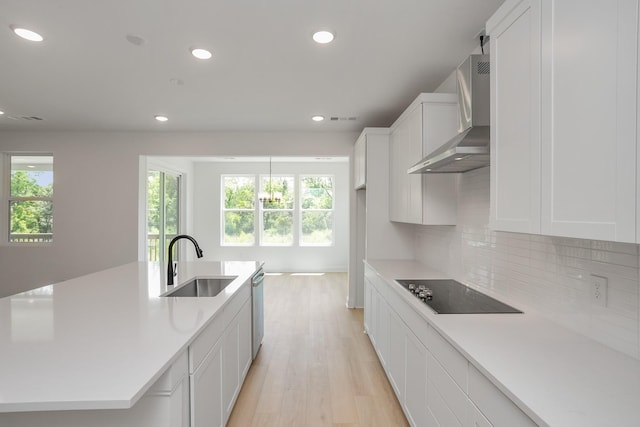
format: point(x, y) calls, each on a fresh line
point(469, 149)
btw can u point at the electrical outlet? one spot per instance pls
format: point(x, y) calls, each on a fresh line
point(599, 288)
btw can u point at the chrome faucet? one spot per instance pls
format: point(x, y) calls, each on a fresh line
point(170, 271)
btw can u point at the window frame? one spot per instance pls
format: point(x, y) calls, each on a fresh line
point(224, 210)
point(7, 198)
point(302, 210)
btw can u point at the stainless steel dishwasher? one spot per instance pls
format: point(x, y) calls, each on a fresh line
point(257, 305)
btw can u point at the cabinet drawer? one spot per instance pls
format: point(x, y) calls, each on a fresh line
point(439, 409)
point(452, 395)
point(454, 363)
point(205, 341)
point(497, 407)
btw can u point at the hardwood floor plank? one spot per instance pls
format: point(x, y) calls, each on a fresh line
point(316, 367)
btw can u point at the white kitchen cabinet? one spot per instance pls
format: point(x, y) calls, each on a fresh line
point(415, 399)
point(583, 117)
point(236, 357)
point(425, 125)
point(397, 363)
point(206, 390)
point(589, 119)
point(360, 163)
point(515, 117)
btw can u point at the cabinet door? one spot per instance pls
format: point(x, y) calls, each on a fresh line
point(206, 391)
point(405, 190)
point(230, 366)
point(397, 356)
point(415, 401)
point(589, 123)
point(244, 336)
point(382, 329)
point(367, 308)
point(398, 194)
point(515, 118)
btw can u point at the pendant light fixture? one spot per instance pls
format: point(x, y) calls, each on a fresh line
point(270, 197)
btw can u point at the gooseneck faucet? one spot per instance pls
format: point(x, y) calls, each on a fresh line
point(170, 270)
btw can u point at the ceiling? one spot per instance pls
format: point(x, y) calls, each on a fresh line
point(266, 73)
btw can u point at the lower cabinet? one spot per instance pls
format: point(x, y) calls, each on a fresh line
point(206, 390)
point(434, 383)
point(219, 361)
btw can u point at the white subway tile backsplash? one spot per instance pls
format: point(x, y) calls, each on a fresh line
point(549, 275)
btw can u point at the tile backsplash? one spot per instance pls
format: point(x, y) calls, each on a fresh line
point(548, 275)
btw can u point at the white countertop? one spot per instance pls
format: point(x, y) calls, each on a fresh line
point(556, 376)
point(101, 340)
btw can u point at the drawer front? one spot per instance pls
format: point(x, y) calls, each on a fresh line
point(452, 395)
point(451, 360)
point(439, 409)
point(205, 341)
point(495, 406)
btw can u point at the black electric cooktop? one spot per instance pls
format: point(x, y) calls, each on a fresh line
point(450, 297)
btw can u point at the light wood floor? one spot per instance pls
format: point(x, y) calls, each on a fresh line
point(316, 367)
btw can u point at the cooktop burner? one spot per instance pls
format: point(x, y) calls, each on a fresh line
point(450, 297)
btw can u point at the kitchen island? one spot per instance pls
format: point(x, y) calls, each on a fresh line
point(109, 346)
point(492, 369)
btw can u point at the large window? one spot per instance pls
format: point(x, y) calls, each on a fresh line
point(163, 212)
point(316, 210)
point(291, 210)
point(30, 198)
point(238, 210)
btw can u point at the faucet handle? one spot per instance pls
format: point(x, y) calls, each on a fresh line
point(175, 268)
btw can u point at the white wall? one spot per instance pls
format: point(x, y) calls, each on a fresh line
point(277, 258)
point(96, 198)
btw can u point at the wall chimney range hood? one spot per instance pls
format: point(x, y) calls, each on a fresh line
point(469, 149)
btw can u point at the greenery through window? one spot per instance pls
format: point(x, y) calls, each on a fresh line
point(238, 213)
point(163, 212)
point(277, 206)
point(30, 198)
point(316, 210)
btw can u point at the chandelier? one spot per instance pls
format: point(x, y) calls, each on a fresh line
point(270, 197)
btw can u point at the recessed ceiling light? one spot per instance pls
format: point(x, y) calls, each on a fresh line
point(317, 118)
point(1, 113)
point(162, 118)
point(27, 34)
point(323, 37)
point(201, 53)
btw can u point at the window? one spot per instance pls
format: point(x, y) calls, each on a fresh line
point(277, 198)
point(163, 212)
point(238, 210)
point(30, 198)
point(286, 216)
point(316, 210)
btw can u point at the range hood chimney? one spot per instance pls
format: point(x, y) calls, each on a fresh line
point(469, 149)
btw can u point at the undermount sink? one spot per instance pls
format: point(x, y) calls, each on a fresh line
point(201, 287)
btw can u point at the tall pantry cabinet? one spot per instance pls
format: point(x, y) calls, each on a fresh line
point(564, 118)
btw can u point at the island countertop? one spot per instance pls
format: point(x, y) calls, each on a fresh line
point(100, 341)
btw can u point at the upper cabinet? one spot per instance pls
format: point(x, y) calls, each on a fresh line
point(429, 122)
point(564, 118)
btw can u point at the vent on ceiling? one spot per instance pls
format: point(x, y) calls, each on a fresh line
point(31, 118)
point(343, 119)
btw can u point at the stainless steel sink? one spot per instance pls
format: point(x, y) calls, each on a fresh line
point(201, 287)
